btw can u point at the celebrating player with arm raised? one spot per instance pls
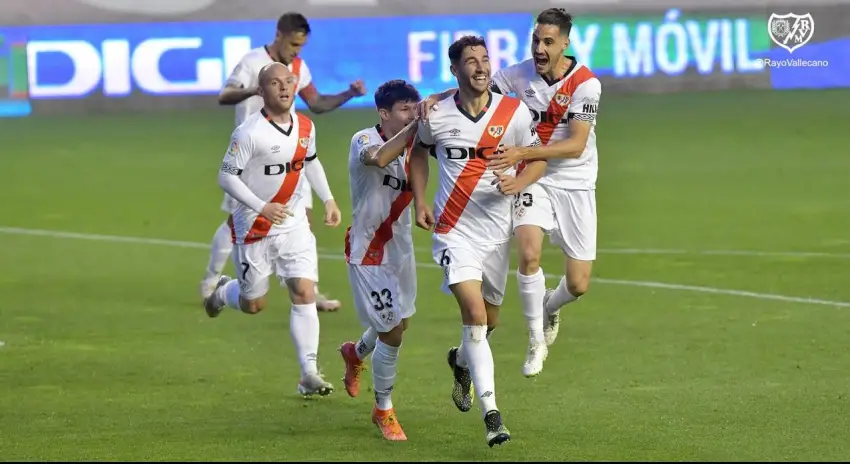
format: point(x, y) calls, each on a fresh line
point(563, 96)
point(270, 155)
point(472, 229)
point(379, 247)
point(242, 90)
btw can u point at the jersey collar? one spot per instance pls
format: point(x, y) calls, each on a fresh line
point(283, 131)
point(569, 70)
point(483, 110)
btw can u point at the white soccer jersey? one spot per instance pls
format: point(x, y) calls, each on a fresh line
point(552, 105)
point(246, 74)
point(270, 160)
point(467, 204)
point(380, 231)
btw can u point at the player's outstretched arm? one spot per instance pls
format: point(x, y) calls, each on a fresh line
point(321, 103)
point(232, 95)
point(385, 154)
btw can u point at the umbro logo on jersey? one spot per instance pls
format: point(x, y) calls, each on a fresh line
point(529, 93)
point(454, 132)
point(495, 131)
point(562, 99)
point(304, 141)
point(276, 149)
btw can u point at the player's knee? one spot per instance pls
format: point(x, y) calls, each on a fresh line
point(529, 262)
point(393, 337)
point(301, 291)
point(578, 285)
point(252, 306)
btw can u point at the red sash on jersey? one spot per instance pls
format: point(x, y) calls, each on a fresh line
point(262, 225)
point(560, 103)
point(375, 252)
point(475, 168)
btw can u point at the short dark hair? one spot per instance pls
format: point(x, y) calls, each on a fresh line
point(557, 17)
point(396, 90)
point(456, 49)
point(293, 22)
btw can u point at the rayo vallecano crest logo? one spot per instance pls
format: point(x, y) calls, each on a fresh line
point(791, 31)
point(495, 131)
point(304, 141)
point(562, 99)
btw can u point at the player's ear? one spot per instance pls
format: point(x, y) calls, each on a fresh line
point(566, 43)
point(453, 70)
point(384, 114)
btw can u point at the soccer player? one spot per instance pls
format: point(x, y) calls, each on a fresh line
point(379, 247)
point(270, 155)
point(472, 229)
point(241, 90)
point(563, 96)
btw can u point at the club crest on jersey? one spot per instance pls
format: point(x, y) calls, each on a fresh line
point(562, 99)
point(496, 131)
point(304, 142)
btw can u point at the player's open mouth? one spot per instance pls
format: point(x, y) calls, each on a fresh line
point(541, 60)
point(481, 79)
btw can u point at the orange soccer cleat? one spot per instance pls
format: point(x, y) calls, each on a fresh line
point(388, 423)
point(353, 367)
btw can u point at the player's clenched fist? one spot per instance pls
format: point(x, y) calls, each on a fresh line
point(275, 212)
point(424, 216)
point(332, 214)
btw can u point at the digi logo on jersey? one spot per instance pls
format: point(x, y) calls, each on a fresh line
point(278, 169)
point(469, 153)
point(546, 116)
point(396, 184)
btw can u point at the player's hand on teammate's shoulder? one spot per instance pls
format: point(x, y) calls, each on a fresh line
point(426, 106)
point(333, 216)
point(505, 157)
point(424, 216)
point(358, 88)
point(275, 212)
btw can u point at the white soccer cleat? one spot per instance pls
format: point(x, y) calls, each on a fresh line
point(314, 384)
point(537, 353)
point(553, 320)
point(324, 304)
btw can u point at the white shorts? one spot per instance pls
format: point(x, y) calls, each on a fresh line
point(568, 216)
point(228, 204)
point(488, 264)
point(384, 294)
point(289, 255)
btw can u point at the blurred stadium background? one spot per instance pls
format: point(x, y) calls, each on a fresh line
point(716, 328)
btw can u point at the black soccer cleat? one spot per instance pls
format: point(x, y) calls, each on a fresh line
point(497, 433)
point(462, 390)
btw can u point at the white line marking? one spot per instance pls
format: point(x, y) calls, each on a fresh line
point(339, 257)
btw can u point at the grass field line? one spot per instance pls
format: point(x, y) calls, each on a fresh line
point(339, 257)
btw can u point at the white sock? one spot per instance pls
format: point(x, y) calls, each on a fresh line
point(532, 289)
point(481, 366)
point(560, 297)
point(366, 344)
point(316, 288)
point(384, 362)
point(304, 329)
point(220, 249)
point(229, 293)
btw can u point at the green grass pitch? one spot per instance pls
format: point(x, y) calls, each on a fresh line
point(108, 354)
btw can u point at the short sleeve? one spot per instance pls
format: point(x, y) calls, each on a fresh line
point(360, 145)
point(311, 145)
point(501, 83)
point(525, 129)
point(305, 78)
point(238, 154)
point(585, 101)
point(241, 76)
point(426, 138)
